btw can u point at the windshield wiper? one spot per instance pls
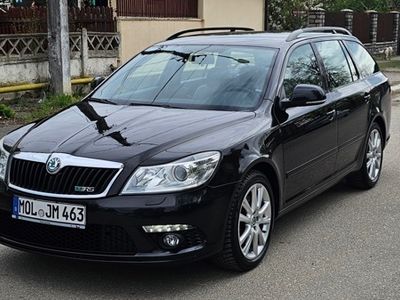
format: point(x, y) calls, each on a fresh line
point(184, 55)
point(154, 105)
point(239, 60)
point(105, 101)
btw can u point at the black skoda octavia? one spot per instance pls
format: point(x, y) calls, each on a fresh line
point(195, 147)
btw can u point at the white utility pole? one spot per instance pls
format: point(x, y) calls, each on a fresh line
point(59, 57)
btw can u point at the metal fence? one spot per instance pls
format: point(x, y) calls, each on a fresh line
point(34, 20)
point(385, 27)
point(335, 19)
point(158, 8)
point(23, 20)
point(361, 26)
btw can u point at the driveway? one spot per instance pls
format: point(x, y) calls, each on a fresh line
point(343, 244)
point(4, 129)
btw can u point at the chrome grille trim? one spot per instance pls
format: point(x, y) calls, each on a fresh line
point(67, 161)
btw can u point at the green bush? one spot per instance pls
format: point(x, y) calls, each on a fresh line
point(51, 105)
point(6, 112)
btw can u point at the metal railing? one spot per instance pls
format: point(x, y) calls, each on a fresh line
point(158, 8)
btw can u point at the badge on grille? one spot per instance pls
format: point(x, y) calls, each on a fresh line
point(84, 189)
point(53, 165)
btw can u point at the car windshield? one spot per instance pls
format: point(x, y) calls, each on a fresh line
point(201, 77)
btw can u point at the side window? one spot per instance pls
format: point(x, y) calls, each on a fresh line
point(302, 68)
point(335, 62)
point(356, 75)
point(364, 61)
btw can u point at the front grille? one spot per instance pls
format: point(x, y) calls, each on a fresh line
point(95, 239)
point(34, 176)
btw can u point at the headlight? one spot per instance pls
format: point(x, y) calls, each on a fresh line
point(183, 174)
point(3, 160)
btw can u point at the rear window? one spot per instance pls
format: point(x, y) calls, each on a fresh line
point(365, 63)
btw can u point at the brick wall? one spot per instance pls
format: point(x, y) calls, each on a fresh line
point(316, 17)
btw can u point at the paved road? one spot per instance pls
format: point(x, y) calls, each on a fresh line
point(345, 244)
point(5, 129)
point(394, 76)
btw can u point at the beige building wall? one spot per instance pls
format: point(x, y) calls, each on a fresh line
point(139, 33)
point(244, 13)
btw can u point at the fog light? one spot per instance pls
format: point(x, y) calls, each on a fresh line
point(171, 240)
point(166, 228)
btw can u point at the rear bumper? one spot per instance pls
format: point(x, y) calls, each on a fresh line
point(114, 230)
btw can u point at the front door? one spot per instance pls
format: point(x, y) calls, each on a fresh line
point(309, 134)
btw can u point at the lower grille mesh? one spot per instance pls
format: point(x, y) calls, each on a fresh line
point(95, 239)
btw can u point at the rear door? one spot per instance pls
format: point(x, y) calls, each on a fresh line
point(309, 134)
point(351, 96)
point(369, 73)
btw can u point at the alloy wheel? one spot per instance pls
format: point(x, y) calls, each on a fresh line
point(254, 221)
point(374, 155)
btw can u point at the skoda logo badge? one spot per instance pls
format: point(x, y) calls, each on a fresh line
point(53, 165)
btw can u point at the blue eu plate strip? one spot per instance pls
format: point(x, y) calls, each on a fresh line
point(15, 206)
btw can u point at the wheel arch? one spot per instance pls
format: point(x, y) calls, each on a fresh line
point(381, 123)
point(270, 171)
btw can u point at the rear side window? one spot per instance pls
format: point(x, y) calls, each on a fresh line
point(302, 68)
point(335, 62)
point(364, 61)
point(352, 65)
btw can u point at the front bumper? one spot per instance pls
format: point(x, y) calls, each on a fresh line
point(114, 230)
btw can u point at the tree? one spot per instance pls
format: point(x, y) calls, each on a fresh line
point(291, 14)
point(357, 5)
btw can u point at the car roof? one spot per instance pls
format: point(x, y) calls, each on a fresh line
point(260, 39)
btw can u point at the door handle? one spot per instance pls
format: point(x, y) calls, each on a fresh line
point(331, 114)
point(367, 97)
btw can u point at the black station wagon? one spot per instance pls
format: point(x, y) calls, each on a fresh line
point(195, 147)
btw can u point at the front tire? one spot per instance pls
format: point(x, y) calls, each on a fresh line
point(249, 226)
point(368, 176)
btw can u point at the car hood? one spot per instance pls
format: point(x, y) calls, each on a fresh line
point(119, 133)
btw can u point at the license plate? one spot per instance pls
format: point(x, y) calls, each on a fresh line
point(58, 214)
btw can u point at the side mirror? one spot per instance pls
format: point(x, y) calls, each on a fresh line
point(96, 82)
point(305, 95)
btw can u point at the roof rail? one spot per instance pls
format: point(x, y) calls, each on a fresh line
point(229, 29)
point(335, 30)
